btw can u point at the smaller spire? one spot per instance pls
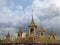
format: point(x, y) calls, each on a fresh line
point(20, 30)
point(8, 34)
point(52, 32)
point(41, 29)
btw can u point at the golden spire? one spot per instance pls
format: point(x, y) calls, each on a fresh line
point(32, 22)
point(41, 29)
point(20, 30)
point(8, 35)
point(52, 32)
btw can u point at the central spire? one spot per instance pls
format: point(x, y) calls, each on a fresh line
point(32, 21)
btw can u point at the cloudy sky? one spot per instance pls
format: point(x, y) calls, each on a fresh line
point(15, 14)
